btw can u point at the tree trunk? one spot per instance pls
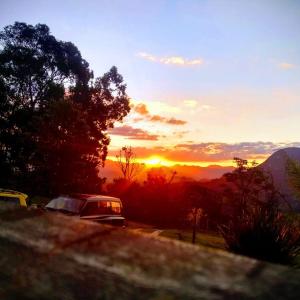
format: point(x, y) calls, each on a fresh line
point(194, 228)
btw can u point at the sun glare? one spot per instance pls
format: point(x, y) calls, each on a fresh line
point(157, 161)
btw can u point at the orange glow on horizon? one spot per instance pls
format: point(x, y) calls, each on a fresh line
point(156, 161)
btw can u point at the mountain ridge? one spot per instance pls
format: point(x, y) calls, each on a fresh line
point(276, 166)
point(112, 170)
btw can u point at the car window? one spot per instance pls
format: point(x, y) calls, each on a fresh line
point(116, 207)
point(101, 208)
point(11, 200)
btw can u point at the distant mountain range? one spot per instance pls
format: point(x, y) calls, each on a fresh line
point(276, 165)
point(112, 171)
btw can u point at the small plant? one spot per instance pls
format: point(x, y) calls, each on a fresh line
point(264, 233)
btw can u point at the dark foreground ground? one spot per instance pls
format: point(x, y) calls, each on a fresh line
point(51, 256)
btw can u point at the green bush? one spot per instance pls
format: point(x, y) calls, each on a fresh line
point(264, 233)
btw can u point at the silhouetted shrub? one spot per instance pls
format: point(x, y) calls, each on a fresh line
point(264, 233)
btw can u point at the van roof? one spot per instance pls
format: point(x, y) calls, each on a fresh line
point(94, 197)
point(14, 194)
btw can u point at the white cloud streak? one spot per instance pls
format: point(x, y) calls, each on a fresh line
point(171, 60)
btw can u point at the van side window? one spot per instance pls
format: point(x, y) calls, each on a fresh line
point(101, 208)
point(96, 208)
point(10, 200)
point(115, 207)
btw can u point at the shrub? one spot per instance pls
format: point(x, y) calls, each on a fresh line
point(264, 233)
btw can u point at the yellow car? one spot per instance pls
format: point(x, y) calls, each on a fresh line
point(13, 197)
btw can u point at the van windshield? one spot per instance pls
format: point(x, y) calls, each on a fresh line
point(101, 208)
point(65, 204)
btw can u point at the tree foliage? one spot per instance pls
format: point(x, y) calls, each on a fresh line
point(250, 186)
point(293, 171)
point(53, 113)
point(165, 201)
point(258, 228)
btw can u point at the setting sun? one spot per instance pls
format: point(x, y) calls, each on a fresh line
point(157, 161)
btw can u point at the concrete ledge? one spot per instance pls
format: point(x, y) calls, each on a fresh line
point(51, 256)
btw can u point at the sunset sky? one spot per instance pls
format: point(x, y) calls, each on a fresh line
point(208, 80)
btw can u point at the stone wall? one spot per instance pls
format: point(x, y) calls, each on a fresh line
point(51, 256)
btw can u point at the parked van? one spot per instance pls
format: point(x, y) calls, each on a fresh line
point(99, 208)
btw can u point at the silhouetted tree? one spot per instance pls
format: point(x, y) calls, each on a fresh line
point(258, 228)
point(164, 202)
point(127, 163)
point(204, 204)
point(250, 186)
point(53, 113)
point(194, 217)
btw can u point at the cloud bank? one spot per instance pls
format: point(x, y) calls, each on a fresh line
point(214, 152)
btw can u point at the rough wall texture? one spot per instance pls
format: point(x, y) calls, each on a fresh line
point(51, 256)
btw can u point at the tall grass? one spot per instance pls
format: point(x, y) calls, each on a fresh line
point(264, 233)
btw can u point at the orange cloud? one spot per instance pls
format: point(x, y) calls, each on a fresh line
point(286, 66)
point(156, 118)
point(133, 133)
point(174, 121)
point(170, 121)
point(142, 110)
